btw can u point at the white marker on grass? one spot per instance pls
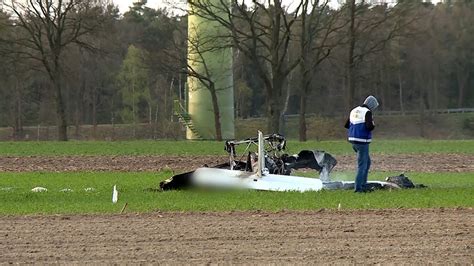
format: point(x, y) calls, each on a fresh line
point(39, 189)
point(115, 195)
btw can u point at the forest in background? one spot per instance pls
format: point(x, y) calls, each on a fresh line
point(86, 64)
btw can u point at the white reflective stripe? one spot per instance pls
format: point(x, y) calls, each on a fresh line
point(359, 140)
point(357, 115)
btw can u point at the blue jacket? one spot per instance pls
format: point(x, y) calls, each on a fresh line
point(360, 125)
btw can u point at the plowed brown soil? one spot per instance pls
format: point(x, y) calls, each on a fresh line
point(380, 162)
point(443, 236)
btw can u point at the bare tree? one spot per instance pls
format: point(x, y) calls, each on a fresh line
point(196, 50)
point(369, 30)
point(318, 24)
point(197, 46)
point(262, 32)
point(15, 74)
point(50, 27)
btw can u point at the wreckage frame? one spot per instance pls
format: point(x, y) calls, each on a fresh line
point(276, 160)
point(280, 163)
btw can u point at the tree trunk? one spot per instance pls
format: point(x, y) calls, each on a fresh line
point(282, 125)
point(274, 91)
point(217, 114)
point(112, 119)
point(302, 118)
point(351, 102)
point(422, 112)
point(350, 74)
point(94, 113)
point(304, 74)
point(79, 99)
point(150, 119)
point(79, 106)
point(155, 127)
point(47, 132)
point(400, 87)
point(133, 112)
point(273, 116)
point(18, 130)
point(305, 83)
point(421, 102)
point(462, 80)
point(169, 109)
point(76, 122)
point(436, 93)
point(386, 102)
point(273, 107)
point(60, 112)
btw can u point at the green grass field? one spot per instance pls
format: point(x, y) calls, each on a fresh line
point(445, 190)
point(217, 148)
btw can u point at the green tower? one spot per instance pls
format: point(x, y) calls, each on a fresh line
point(210, 57)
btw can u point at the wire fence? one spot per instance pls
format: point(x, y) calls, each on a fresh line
point(396, 113)
point(390, 123)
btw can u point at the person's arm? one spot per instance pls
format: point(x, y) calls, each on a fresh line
point(369, 121)
point(347, 124)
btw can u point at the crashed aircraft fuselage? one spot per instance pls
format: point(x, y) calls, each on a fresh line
point(269, 168)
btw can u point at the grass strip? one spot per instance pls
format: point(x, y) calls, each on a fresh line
point(162, 147)
point(445, 190)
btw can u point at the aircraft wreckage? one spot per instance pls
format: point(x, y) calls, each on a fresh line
point(270, 168)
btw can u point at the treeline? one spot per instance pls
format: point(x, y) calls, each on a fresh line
point(81, 62)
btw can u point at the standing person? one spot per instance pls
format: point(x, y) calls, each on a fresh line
point(360, 125)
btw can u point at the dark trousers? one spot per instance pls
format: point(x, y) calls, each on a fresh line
point(363, 165)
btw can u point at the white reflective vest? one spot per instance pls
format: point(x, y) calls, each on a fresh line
point(358, 131)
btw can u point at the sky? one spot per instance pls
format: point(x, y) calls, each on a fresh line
point(124, 4)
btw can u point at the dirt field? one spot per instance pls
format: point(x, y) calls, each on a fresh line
point(384, 236)
point(405, 162)
point(443, 236)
